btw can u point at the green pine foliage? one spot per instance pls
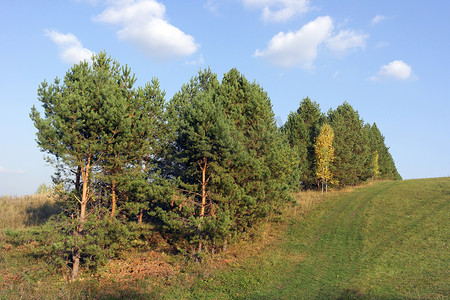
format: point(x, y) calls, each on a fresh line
point(230, 165)
point(386, 164)
point(353, 158)
point(96, 125)
point(302, 128)
point(202, 169)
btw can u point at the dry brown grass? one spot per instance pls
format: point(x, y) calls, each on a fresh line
point(17, 212)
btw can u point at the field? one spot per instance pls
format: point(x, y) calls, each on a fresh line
point(386, 240)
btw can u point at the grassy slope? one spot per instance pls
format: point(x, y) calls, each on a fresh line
point(389, 240)
point(385, 241)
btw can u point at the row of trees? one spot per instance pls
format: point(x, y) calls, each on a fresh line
point(202, 168)
point(337, 147)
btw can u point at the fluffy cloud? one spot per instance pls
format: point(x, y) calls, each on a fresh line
point(299, 47)
point(144, 25)
point(345, 40)
point(279, 10)
point(72, 51)
point(397, 70)
point(377, 19)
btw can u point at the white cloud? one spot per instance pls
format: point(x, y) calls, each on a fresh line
point(397, 70)
point(299, 47)
point(382, 44)
point(377, 19)
point(212, 6)
point(199, 61)
point(279, 10)
point(144, 24)
point(72, 51)
point(345, 40)
point(3, 170)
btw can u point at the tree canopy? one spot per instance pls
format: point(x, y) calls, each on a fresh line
point(202, 168)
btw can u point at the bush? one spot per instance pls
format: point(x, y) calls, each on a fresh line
point(104, 238)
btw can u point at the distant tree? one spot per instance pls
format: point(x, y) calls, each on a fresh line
point(90, 120)
point(43, 189)
point(386, 165)
point(302, 128)
point(324, 155)
point(351, 143)
point(296, 133)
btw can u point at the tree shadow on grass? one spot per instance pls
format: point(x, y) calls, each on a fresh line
point(40, 213)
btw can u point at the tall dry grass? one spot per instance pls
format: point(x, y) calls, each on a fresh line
point(17, 212)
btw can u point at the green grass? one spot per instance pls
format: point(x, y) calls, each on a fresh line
point(387, 240)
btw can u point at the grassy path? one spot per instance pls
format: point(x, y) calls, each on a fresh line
point(389, 240)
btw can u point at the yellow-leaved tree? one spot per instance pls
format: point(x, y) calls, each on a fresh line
point(324, 151)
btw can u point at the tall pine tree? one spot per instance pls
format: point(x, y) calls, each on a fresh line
point(351, 143)
point(302, 128)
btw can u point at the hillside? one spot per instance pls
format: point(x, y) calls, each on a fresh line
point(387, 240)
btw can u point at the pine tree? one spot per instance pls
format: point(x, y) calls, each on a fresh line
point(386, 165)
point(90, 120)
point(196, 159)
point(230, 164)
point(264, 170)
point(351, 143)
point(302, 128)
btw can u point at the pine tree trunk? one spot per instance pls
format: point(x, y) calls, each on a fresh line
point(76, 255)
point(141, 212)
point(78, 179)
point(114, 198)
point(202, 210)
point(76, 264)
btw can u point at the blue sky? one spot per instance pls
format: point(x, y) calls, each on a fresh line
point(388, 59)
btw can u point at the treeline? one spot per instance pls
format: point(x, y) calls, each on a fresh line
point(201, 169)
point(358, 150)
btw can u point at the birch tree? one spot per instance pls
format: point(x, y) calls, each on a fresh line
point(324, 152)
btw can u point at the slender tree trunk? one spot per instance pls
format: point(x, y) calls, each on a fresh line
point(78, 179)
point(322, 185)
point(141, 212)
point(114, 198)
point(202, 210)
point(76, 254)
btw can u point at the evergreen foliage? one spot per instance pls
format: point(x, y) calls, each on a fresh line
point(96, 125)
point(302, 129)
point(230, 164)
point(386, 165)
point(351, 143)
point(202, 169)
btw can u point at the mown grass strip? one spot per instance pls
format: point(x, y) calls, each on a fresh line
point(385, 241)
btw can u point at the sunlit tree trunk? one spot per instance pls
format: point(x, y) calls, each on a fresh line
point(76, 253)
point(113, 198)
point(203, 167)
